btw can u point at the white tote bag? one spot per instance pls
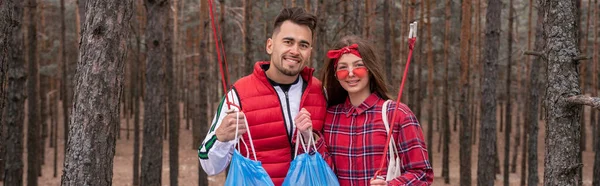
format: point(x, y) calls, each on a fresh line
point(394, 165)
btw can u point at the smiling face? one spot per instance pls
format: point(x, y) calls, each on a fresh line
point(290, 48)
point(353, 75)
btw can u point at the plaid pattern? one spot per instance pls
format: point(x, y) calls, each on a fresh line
point(356, 137)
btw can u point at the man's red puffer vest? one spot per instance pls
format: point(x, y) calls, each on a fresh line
point(260, 104)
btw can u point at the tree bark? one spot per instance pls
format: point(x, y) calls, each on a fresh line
point(12, 60)
point(508, 119)
point(357, 19)
point(582, 67)
point(430, 88)
point(387, 41)
point(595, 138)
point(153, 101)
point(64, 84)
point(320, 36)
point(465, 130)
point(487, 136)
point(596, 50)
point(248, 51)
point(562, 164)
point(137, 91)
point(204, 79)
point(93, 125)
point(366, 33)
point(417, 63)
point(54, 114)
point(532, 105)
point(33, 124)
point(173, 110)
point(42, 96)
point(446, 108)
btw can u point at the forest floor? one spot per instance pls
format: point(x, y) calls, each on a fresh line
point(188, 159)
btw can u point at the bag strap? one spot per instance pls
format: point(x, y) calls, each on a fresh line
point(237, 121)
point(393, 150)
point(305, 146)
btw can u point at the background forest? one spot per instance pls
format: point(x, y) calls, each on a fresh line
point(499, 86)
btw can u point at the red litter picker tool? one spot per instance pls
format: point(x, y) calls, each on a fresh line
point(412, 38)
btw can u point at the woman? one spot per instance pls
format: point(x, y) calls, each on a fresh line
point(354, 131)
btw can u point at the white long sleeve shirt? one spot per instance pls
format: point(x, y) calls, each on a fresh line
point(215, 155)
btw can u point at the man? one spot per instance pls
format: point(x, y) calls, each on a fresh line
point(280, 96)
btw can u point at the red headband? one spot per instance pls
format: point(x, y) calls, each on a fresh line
point(336, 54)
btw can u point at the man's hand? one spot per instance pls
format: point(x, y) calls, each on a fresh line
point(226, 131)
point(303, 123)
point(378, 182)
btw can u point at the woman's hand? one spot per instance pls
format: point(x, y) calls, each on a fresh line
point(378, 182)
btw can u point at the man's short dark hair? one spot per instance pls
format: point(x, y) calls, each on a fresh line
point(296, 15)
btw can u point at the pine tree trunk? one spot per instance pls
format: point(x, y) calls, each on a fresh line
point(430, 90)
point(173, 114)
point(137, 91)
point(465, 130)
point(595, 138)
point(154, 104)
point(532, 105)
point(55, 129)
point(387, 41)
point(12, 60)
point(446, 101)
point(320, 36)
point(595, 121)
point(366, 33)
point(33, 124)
point(248, 51)
point(43, 88)
point(513, 162)
point(487, 133)
point(508, 111)
point(204, 80)
point(417, 63)
point(582, 67)
point(100, 75)
point(64, 88)
point(562, 165)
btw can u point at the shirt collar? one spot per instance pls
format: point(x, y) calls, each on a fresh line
point(371, 101)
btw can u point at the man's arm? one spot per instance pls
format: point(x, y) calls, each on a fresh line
point(215, 155)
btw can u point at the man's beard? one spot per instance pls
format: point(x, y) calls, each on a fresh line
point(288, 72)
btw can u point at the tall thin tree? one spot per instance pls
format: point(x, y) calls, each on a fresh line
point(465, 129)
point(508, 116)
point(99, 74)
point(446, 109)
point(33, 124)
point(386, 39)
point(248, 51)
point(430, 88)
point(153, 100)
point(137, 91)
point(595, 72)
point(205, 81)
point(173, 111)
point(532, 105)
point(487, 133)
point(12, 56)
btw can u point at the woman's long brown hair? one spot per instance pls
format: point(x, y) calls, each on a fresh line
point(336, 94)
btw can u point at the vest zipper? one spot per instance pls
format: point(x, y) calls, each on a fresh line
point(289, 131)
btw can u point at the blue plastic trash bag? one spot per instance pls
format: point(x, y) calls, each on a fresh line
point(309, 169)
point(242, 170)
